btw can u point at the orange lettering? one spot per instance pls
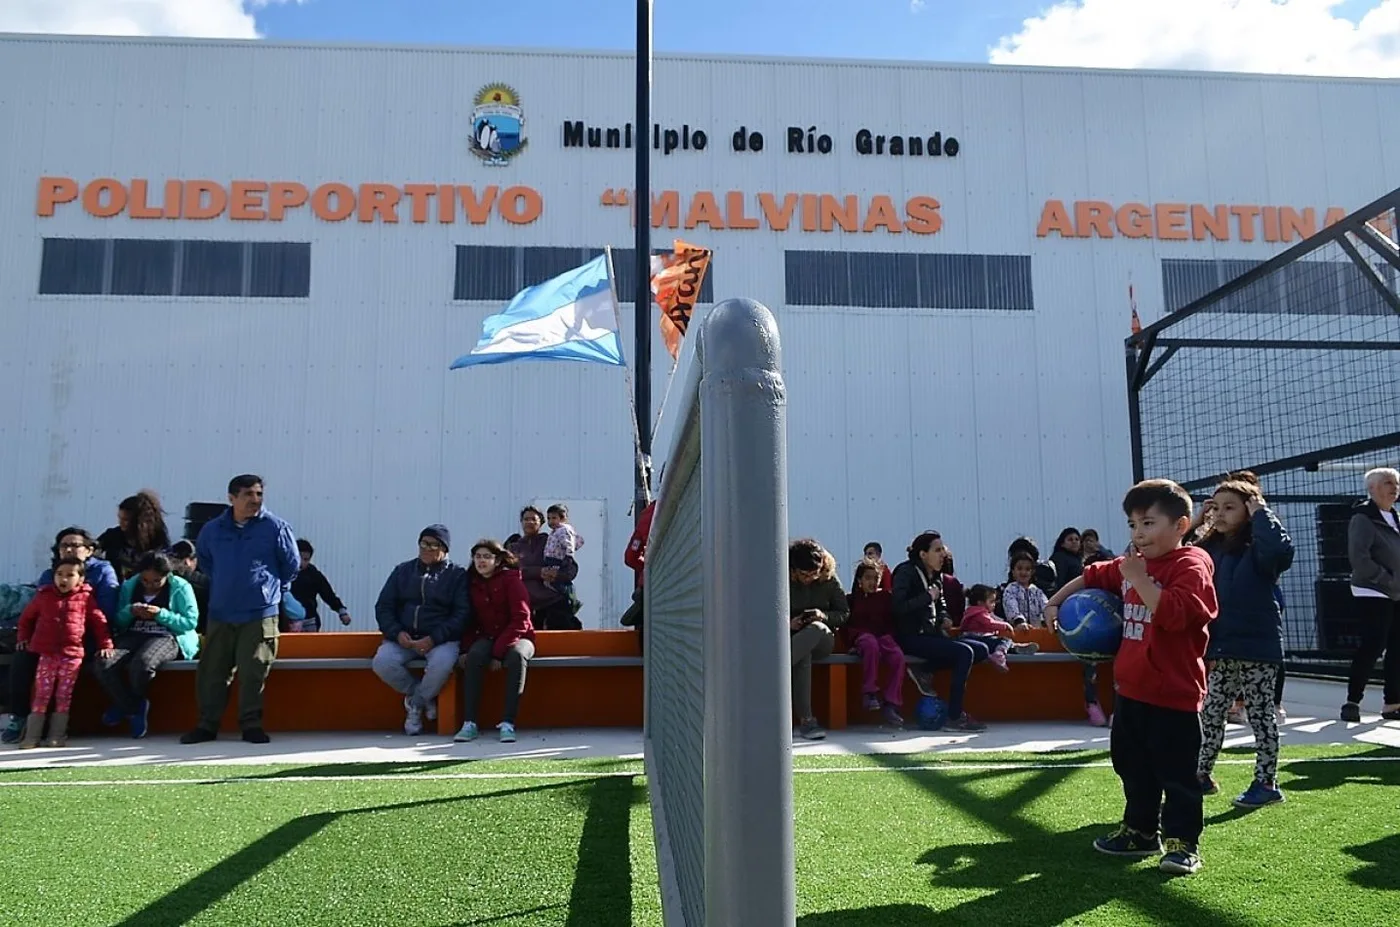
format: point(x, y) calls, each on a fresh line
point(1171, 221)
point(521, 205)
point(378, 199)
point(1246, 216)
point(285, 196)
point(1094, 215)
point(139, 209)
point(837, 212)
point(923, 215)
point(778, 219)
point(665, 210)
point(116, 198)
point(1304, 225)
point(1055, 218)
point(1215, 221)
point(54, 191)
point(447, 204)
point(703, 208)
point(418, 196)
point(478, 211)
point(809, 212)
point(1334, 215)
point(195, 206)
point(174, 198)
point(1271, 230)
point(246, 201)
point(1134, 221)
point(734, 212)
point(344, 202)
point(882, 215)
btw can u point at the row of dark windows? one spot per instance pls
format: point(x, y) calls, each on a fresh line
point(165, 267)
point(1300, 288)
point(882, 280)
point(495, 273)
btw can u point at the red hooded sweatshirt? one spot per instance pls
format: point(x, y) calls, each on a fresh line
point(871, 613)
point(636, 554)
point(54, 624)
point(1162, 658)
point(500, 611)
point(978, 619)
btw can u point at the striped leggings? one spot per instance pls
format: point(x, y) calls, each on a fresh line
point(1230, 679)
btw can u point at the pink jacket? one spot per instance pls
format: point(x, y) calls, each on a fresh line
point(979, 620)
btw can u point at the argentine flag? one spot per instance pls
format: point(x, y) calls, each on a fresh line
point(571, 317)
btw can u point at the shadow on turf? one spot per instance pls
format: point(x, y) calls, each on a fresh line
point(1383, 864)
point(1379, 766)
point(602, 888)
point(1026, 868)
point(582, 767)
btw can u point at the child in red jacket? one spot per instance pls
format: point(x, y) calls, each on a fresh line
point(1160, 673)
point(499, 634)
point(52, 626)
point(979, 624)
point(871, 631)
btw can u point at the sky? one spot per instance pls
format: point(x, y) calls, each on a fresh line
point(1321, 37)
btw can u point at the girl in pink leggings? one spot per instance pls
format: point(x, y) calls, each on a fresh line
point(871, 630)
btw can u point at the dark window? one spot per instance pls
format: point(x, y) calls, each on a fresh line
point(161, 267)
point(212, 268)
point(488, 273)
point(143, 267)
point(72, 265)
point(883, 280)
point(279, 269)
point(1300, 288)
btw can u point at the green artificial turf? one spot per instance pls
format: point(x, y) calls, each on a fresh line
point(1000, 839)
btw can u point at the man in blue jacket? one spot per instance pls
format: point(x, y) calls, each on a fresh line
point(422, 612)
point(250, 557)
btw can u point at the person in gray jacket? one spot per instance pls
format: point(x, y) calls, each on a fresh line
point(422, 612)
point(1373, 546)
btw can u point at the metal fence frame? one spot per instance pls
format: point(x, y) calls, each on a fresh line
point(727, 419)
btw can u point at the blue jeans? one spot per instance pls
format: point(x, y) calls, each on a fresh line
point(939, 652)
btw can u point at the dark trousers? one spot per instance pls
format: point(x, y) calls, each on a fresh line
point(23, 667)
point(940, 652)
point(1154, 752)
point(1091, 684)
point(477, 659)
point(1278, 687)
point(126, 675)
point(249, 649)
point(558, 616)
point(1380, 631)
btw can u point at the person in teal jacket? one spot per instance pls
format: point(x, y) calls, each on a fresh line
point(154, 624)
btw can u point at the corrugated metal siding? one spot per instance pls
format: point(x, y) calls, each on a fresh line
point(983, 424)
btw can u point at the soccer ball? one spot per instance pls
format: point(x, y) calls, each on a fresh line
point(932, 713)
point(1090, 625)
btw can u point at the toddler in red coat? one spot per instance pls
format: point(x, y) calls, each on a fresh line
point(871, 630)
point(53, 626)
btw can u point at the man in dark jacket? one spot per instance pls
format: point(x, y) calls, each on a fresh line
point(1373, 547)
point(422, 611)
point(250, 557)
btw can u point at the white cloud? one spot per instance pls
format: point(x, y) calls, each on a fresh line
point(231, 19)
point(1265, 36)
point(916, 5)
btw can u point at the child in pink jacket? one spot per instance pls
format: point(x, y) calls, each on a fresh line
point(980, 624)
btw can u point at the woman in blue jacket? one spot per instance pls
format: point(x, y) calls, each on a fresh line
point(1251, 550)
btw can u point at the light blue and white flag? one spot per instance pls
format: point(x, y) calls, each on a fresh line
point(571, 317)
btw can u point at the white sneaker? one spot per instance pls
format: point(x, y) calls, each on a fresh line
point(413, 717)
point(507, 732)
point(430, 710)
point(467, 734)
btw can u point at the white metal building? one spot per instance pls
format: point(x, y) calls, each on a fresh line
point(218, 257)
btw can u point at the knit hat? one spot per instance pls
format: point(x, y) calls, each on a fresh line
point(438, 533)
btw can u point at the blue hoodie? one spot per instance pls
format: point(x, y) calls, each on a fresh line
point(1250, 626)
point(249, 568)
point(103, 580)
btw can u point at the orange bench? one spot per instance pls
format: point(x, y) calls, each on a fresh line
point(578, 679)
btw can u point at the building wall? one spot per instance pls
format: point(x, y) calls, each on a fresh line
point(984, 423)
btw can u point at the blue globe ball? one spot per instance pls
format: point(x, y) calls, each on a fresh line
point(1090, 625)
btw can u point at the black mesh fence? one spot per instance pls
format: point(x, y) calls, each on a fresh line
point(1287, 368)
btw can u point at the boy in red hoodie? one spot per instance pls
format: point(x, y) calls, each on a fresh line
point(871, 630)
point(1160, 673)
point(52, 626)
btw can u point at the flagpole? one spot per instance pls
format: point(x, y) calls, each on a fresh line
point(641, 206)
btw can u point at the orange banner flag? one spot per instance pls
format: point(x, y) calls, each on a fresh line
point(675, 287)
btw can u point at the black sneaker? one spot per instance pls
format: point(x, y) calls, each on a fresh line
point(1181, 858)
point(1392, 714)
point(1351, 712)
point(965, 724)
point(256, 735)
point(1128, 842)
point(1209, 786)
point(199, 736)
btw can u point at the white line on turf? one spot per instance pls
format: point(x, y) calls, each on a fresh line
point(629, 774)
